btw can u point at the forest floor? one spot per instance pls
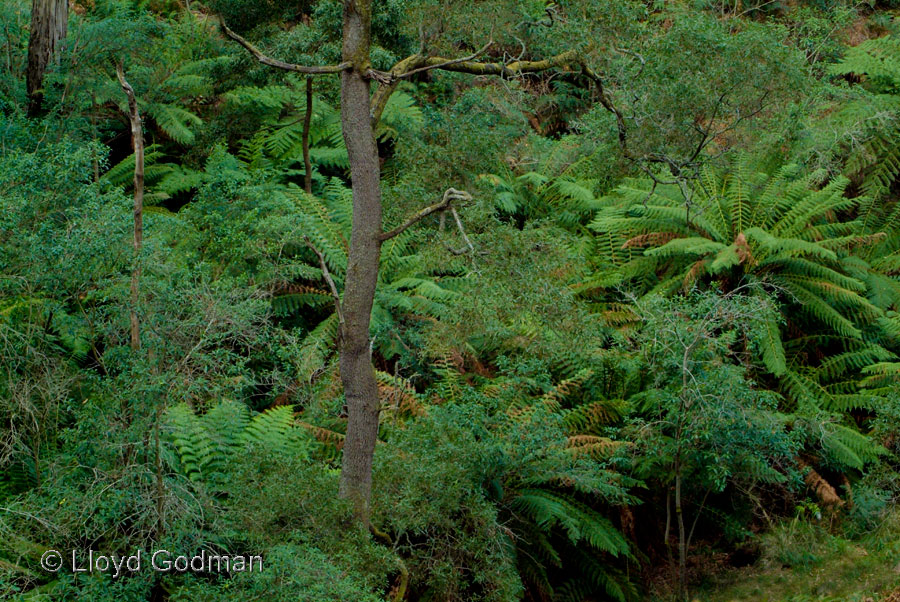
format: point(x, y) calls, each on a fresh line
point(803, 563)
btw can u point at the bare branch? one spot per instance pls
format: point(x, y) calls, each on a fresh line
point(506, 69)
point(265, 60)
point(450, 195)
point(462, 231)
point(635, 55)
point(449, 63)
point(609, 106)
point(327, 275)
point(417, 63)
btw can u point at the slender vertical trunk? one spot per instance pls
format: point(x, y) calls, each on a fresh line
point(682, 549)
point(49, 22)
point(95, 160)
point(138, 231)
point(137, 139)
point(357, 371)
point(684, 405)
point(307, 121)
point(160, 486)
point(668, 531)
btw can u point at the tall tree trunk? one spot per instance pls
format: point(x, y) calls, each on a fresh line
point(49, 21)
point(137, 140)
point(357, 371)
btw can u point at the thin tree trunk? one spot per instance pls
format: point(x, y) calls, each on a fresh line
point(682, 549)
point(49, 22)
point(137, 138)
point(668, 531)
point(684, 405)
point(307, 121)
point(96, 160)
point(357, 371)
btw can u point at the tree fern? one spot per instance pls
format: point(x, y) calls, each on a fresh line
point(531, 195)
point(276, 430)
point(777, 232)
point(194, 447)
point(549, 509)
point(874, 158)
point(162, 179)
point(204, 445)
point(279, 142)
point(175, 121)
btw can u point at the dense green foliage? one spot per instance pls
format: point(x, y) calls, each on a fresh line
point(675, 332)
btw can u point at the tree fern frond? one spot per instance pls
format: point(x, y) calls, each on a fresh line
point(175, 121)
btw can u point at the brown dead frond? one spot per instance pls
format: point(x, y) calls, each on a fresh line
point(653, 239)
point(323, 434)
point(826, 493)
point(591, 446)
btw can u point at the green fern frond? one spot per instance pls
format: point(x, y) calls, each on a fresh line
point(175, 121)
point(580, 522)
point(849, 447)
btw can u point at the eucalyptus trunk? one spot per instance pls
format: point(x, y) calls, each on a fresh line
point(49, 22)
point(357, 371)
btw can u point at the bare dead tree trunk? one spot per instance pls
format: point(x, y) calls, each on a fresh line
point(357, 371)
point(137, 140)
point(307, 121)
point(49, 22)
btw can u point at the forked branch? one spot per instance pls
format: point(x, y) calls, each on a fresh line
point(450, 195)
point(266, 60)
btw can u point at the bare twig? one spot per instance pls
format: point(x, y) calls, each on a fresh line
point(462, 231)
point(634, 55)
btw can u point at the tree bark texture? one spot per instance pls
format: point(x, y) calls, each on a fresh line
point(357, 371)
point(49, 22)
